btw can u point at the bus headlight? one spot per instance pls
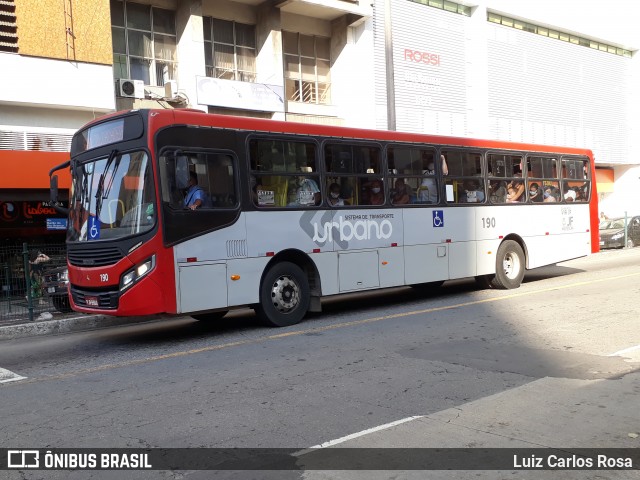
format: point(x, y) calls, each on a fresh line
point(137, 272)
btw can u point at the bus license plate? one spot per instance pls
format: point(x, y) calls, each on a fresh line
point(92, 301)
point(51, 289)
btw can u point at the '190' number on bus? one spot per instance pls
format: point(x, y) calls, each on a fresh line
point(489, 222)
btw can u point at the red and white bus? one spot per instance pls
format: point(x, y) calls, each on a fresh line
point(291, 213)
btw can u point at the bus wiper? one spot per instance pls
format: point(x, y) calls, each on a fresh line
point(99, 191)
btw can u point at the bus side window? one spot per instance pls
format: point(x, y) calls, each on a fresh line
point(355, 168)
point(287, 171)
point(464, 183)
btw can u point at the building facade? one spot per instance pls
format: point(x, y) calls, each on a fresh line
point(489, 69)
point(56, 75)
point(493, 69)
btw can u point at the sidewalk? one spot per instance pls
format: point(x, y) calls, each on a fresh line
point(63, 323)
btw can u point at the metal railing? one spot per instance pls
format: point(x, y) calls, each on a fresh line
point(22, 270)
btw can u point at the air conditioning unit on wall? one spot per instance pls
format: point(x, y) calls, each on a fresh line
point(125, 87)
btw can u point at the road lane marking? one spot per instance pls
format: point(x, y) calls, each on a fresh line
point(346, 438)
point(326, 328)
point(7, 376)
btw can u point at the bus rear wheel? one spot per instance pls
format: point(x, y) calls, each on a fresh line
point(284, 295)
point(509, 265)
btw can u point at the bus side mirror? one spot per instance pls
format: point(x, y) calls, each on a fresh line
point(53, 186)
point(182, 172)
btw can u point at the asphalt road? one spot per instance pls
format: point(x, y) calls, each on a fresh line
point(551, 364)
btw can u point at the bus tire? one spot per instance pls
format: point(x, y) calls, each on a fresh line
point(509, 265)
point(284, 295)
point(61, 303)
point(484, 281)
point(210, 317)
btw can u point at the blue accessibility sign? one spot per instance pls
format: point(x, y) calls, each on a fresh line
point(94, 228)
point(438, 218)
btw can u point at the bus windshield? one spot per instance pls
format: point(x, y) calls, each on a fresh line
point(111, 197)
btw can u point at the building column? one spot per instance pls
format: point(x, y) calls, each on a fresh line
point(477, 74)
point(269, 61)
point(191, 61)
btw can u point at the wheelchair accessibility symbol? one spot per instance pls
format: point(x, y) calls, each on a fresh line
point(438, 218)
point(94, 228)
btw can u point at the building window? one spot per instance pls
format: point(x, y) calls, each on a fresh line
point(555, 34)
point(307, 68)
point(144, 42)
point(447, 6)
point(230, 49)
point(8, 27)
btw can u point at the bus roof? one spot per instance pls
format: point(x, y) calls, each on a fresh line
point(197, 117)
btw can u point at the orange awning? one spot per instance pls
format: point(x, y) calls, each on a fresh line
point(30, 169)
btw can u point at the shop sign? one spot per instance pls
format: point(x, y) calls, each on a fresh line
point(242, 95)
point(29, 214)
point(417, 56)
point(56, 223)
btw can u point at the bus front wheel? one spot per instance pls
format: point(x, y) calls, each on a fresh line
point(509, 265)
point(284, 295)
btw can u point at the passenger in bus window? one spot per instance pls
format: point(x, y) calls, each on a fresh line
point(400, 194)
point(585, 192)
point(308, 192)
point(261, 195)
point(334, 196)
point(497, 191)
point(534, 193)
point(376, 196)
point(428, 189)
point(473, 193)
point(195, 196)
point(570, 196)
point(550, 194)
point(517, 191)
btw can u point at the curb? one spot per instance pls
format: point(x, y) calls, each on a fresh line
point(67, 325)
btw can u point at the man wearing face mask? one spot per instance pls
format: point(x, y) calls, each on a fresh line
point(534, 193)
point(377, 195)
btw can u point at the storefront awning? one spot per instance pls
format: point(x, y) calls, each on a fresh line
point(30, 169)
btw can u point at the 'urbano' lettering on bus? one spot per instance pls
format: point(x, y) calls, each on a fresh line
point(360, 230)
